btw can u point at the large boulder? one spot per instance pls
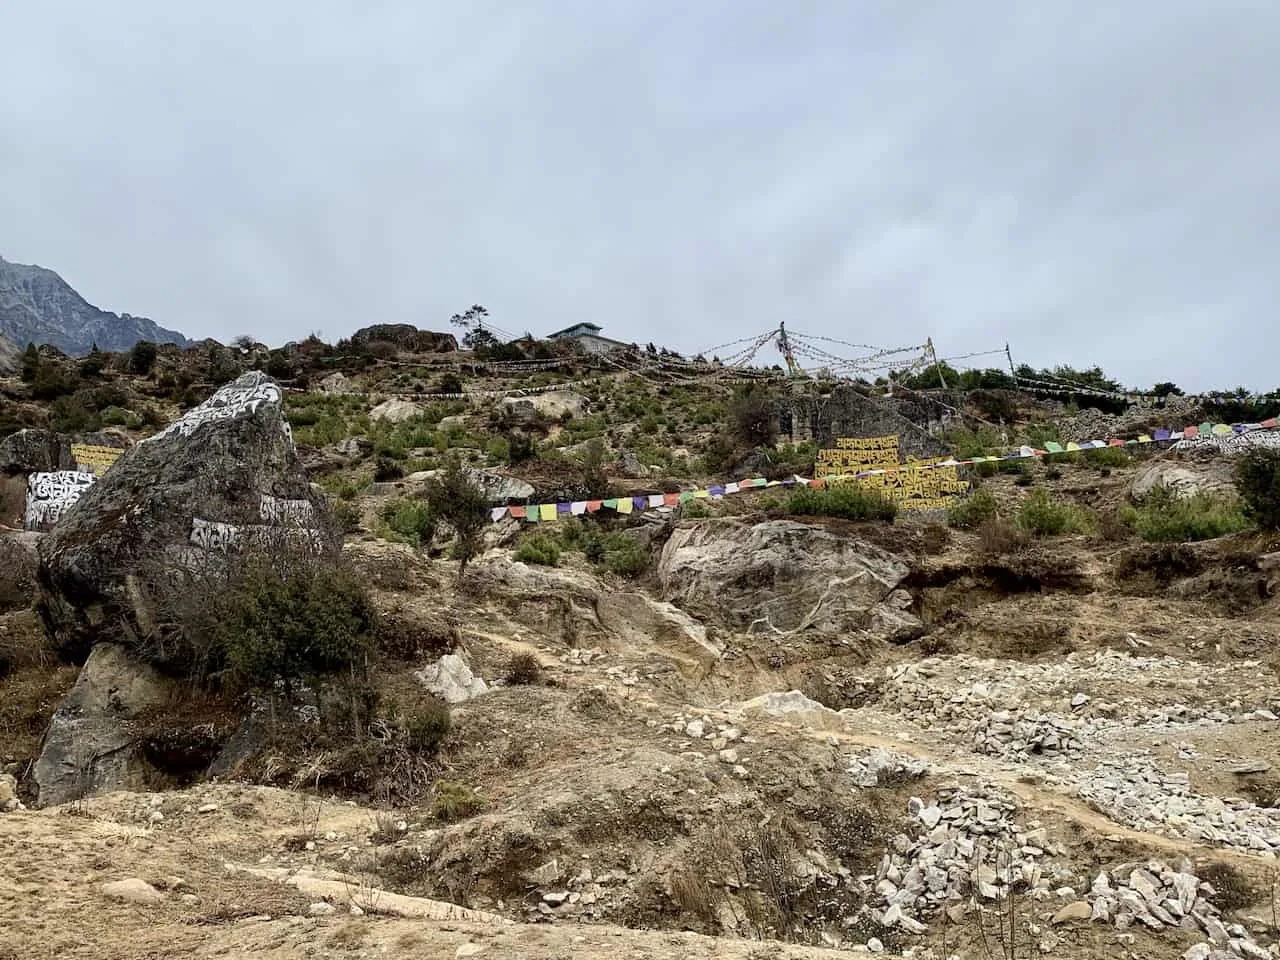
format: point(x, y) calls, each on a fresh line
point(499, 488)
point(562, 605)
point(88, 747)
point(35, 451)
point(395, 411)
point(554, 404)
point(406, 337)
point(223, 474)
point(783, 576)
point(1183, 480)
point(19, 558)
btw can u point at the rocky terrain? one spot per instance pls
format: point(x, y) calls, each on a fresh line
point(719, 728)
point(38, 306)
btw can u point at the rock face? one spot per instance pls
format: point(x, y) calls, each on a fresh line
point(406, 337)
point(35, 451)
point(87, 748)
point(782, 575)
point(1183, 480)
point(554, 404)
point(19, 558)
point(224, 471)
point(38, 306)
point(498, 488)
point(395, 411)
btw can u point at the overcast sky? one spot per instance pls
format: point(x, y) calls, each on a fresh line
point(1095, 183)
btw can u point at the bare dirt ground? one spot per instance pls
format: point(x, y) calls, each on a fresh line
point(57, 860)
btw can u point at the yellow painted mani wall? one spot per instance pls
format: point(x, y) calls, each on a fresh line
point(934, 489)
point(91, 458)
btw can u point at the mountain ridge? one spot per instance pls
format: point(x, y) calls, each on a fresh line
point(38, 306)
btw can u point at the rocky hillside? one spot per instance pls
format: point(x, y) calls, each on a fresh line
point(38, 306)
point(252, 701)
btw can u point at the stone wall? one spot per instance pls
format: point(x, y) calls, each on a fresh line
point(847, 413)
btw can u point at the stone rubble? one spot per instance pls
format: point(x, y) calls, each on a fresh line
point(967, 844)
point(1021, 735)
point(877, 764)
point(1133, 792)
point(1158, 896)
point(968, 848)
point(962, 691)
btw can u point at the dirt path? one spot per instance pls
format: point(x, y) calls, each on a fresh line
point(55, 862)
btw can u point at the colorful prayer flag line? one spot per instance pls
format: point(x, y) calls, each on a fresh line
point(639, 504)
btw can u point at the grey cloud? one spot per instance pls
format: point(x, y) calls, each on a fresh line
point(1093, 187)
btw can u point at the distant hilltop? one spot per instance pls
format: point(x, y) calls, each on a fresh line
point(38, 306)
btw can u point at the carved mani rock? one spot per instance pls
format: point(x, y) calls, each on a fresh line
point(224, 470)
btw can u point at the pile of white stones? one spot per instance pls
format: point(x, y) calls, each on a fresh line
point(968, 848)
point(1132, 791)
point(1161, 897)
point(958, 692)
point(1024, 734)
point(968, 845)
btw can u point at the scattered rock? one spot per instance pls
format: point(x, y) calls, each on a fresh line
point(451, 679)
point(132, 890)
point(1079, 910)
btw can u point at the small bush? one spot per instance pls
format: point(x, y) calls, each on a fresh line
point(849, 501)
point(593, 547)
point(70, 415)
point(999, 537)
point(427, 729)
point(694, 510)
point(595, 481)
point(386, 470)
point(1232, 888)
point(498, 450)
point(523, 669)
point(454, 498)
point(753, 417)
point(1258, 481)
point(624, 556)
point(1043, 517)
point(1165, 517)
point(345, 514)
point(934, 538)
point(454, 801)
point(271, 620)
point(973, 511)
point(410, 520)
point(540, 549)
point(521, 448)
point(1108, 457)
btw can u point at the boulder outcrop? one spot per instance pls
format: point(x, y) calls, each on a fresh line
point(88, 748)
point(224, 473)
point(35, 451)
point(783, 576)
point(1183, 479)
